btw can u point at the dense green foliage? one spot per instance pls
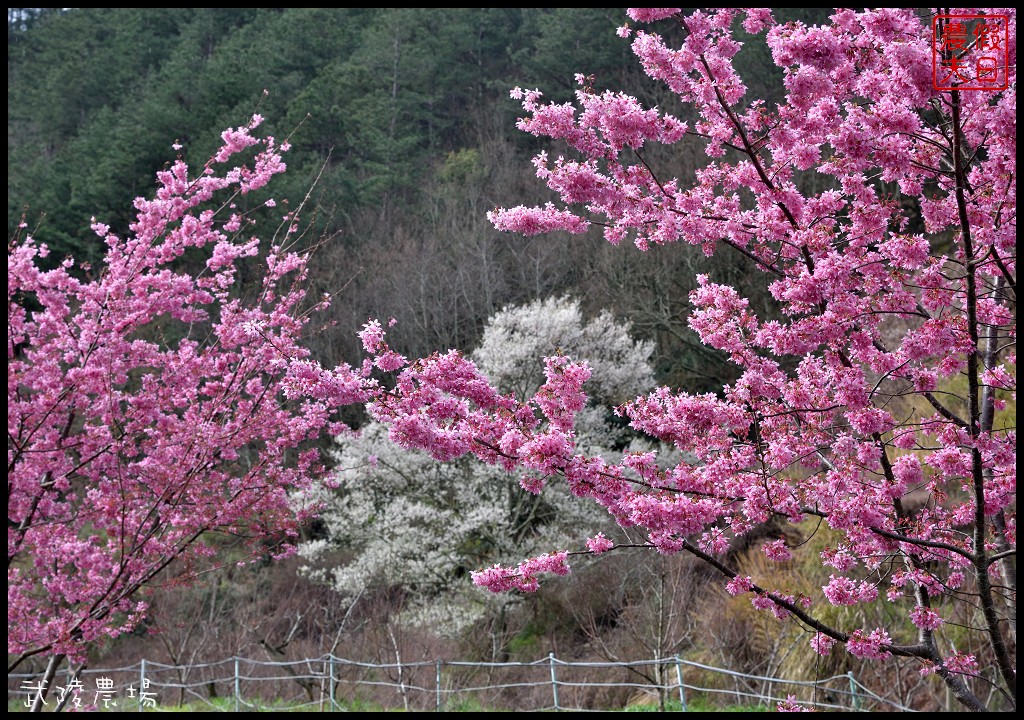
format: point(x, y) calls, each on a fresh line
point(96, 96)
point(401, 125)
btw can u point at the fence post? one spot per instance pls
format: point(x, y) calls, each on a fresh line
point(331, 682)
point(854, 701)
point(437, 685)
point(237, 686)
point(554, 679)
point(679, 679)
point(142, 681)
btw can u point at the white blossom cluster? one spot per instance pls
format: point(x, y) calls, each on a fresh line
point(401, 519)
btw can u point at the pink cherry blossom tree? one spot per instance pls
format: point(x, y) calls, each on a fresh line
point(881, 380)
point(151, 410)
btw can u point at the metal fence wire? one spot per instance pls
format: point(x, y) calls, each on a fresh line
point(331, 683)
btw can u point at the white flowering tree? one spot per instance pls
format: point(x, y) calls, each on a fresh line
point(401, 520)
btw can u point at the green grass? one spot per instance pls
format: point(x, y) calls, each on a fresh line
point(697, 704)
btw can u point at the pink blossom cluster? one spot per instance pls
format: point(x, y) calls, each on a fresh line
point(874, 312)
point(961, 663)
point(523, 577)
point(776, 550)
point(879, 373)
point(846, 591)
point(651, 14)
point(739, 585)
point(762, 601)
point(925, 618)
point(822, 643)
point(599, 544)
point(869, 645)
point(957, 663)
point(536, 221)
point(790, 704)
point(149, 408)
point(920, 577)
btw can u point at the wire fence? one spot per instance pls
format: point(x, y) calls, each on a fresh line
point(330, 684)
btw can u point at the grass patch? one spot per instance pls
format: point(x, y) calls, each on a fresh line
point(696, 704)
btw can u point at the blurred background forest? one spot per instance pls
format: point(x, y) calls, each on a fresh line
point(403, 137)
